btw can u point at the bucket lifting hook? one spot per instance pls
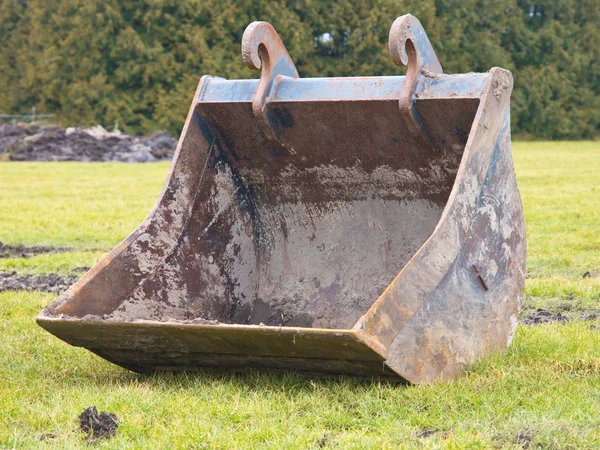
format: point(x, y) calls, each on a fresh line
point(262, 48)
point(409, 46)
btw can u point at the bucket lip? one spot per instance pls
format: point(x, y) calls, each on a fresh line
point(53, 325)
point(63, 318)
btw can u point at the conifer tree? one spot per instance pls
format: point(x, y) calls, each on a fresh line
point(138, 62)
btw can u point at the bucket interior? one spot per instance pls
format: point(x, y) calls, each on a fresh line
point(307, 229)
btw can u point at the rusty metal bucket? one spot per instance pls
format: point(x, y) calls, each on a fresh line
point(370, 226)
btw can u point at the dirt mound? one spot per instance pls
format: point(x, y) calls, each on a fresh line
point(23, 142)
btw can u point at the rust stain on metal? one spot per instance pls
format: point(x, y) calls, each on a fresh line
point(370, 226)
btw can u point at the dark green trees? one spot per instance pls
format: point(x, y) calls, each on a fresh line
point(137, 63)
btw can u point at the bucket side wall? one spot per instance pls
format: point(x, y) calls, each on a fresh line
point(474, 309)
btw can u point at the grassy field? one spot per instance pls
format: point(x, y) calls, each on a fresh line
point(544, 392)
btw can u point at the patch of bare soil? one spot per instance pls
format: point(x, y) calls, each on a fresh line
point(98, 425)
point(525, 438)
point(11, 281)
point(428, 432)
point(542, 316)
point(22, 251)
point(590, 316)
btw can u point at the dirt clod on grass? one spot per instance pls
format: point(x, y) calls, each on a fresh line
point(542, 316)
point(22, 251)
point(428, 432)
point(98, 425)
point(524, 438)
point(324, 441)
point(24, 142)
point(11, 281)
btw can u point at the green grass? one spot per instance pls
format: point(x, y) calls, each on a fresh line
point(85, 206)
point(62, 263)
point(559, 183)
point(547, 384)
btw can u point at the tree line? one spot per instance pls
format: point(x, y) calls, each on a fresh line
point(136, 63)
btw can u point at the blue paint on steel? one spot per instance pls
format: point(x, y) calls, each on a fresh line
point(286, 89)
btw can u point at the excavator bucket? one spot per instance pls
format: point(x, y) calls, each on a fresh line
point(369, 226)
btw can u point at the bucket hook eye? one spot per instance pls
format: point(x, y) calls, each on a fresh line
point(409, 46)
point(262, 48)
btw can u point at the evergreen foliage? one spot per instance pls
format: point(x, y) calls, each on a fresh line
point(137, 62)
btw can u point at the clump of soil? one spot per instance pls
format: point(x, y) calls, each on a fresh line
point(24, 142)
point(324, 440)
point(542, 316)
point(98, 425)
point(428, 432)
point(11, 281)
point(524, 438)
point(22, 251)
